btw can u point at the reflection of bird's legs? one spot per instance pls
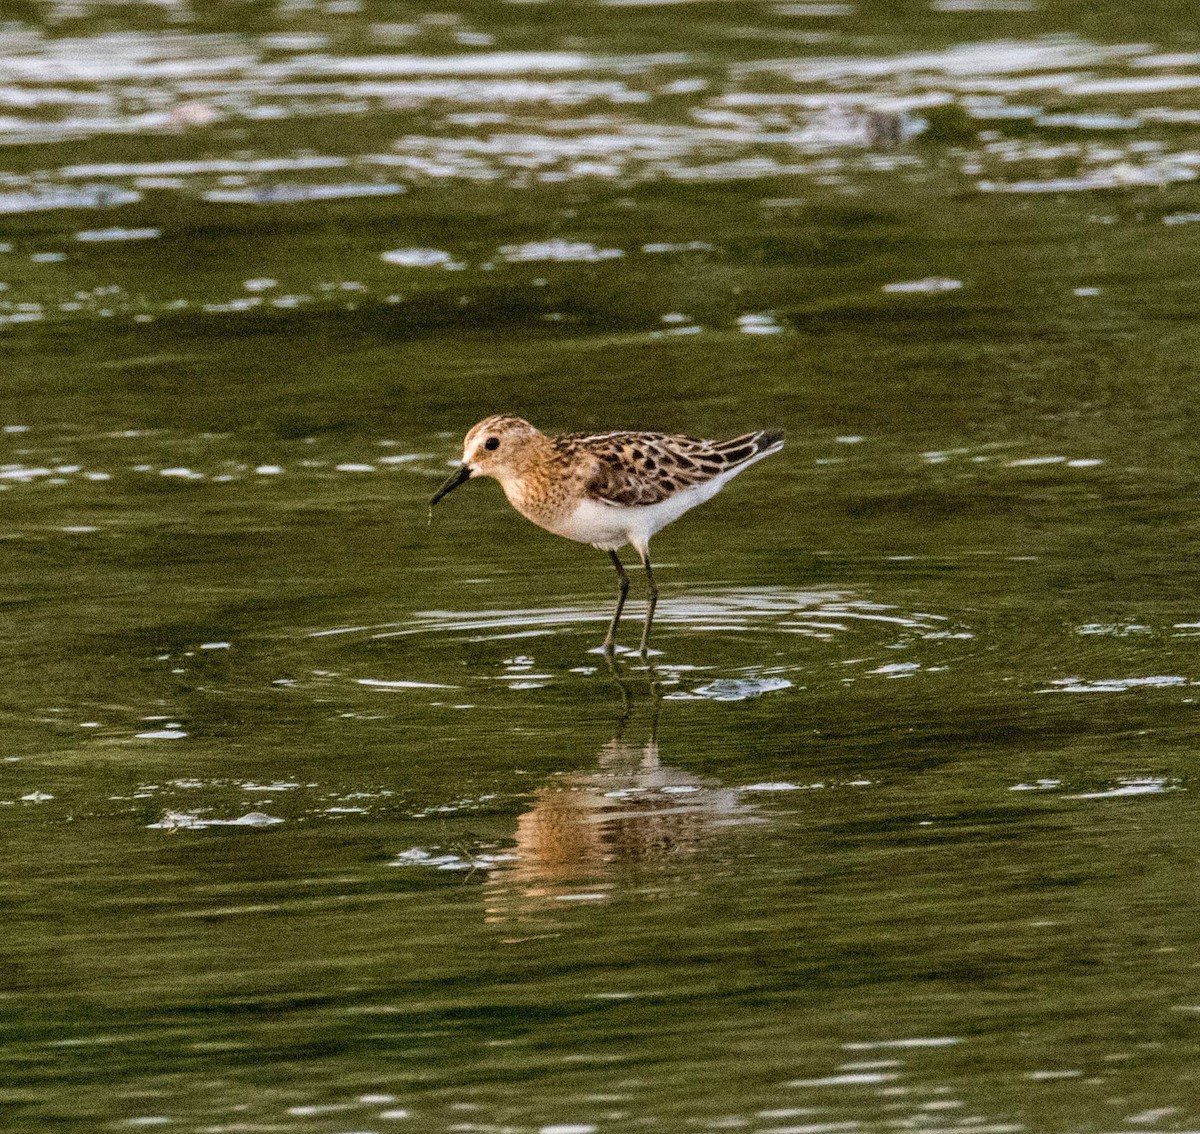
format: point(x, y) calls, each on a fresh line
point(622, 590)
point(656, 706)
point(650, 751)
point(615, 670)
point(651, 601)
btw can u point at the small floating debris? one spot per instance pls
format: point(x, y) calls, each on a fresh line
point(162, 734)
point(930, 285)
point(37, 797)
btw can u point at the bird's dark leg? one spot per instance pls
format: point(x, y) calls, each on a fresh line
point(622, 590)
point(651, 602)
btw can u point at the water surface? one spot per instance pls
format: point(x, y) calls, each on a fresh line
point(320, 818)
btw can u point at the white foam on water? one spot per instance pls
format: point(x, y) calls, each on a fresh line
point(419, 856)
point(182, 820)
point(815, 8)
point(734, 689)
point(687, 246)
point(849, 1079)
point(209, 166)
point(1115, 176)
point(482, 63)
point(983, 5)
point(1115, 684)
point(1147, 785)
point(897, 669)
point(379, 683)
point(759, 323)
point(290, 194)
point(929, 285)
point(419, 258)
point(99, 235)
point(559, 251)
point(62, 197)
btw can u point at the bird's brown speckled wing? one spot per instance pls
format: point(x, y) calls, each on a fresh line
point(645, 468)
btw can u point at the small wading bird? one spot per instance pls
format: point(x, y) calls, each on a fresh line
point(606, 489)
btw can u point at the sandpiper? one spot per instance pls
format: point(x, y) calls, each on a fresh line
point(606, 489)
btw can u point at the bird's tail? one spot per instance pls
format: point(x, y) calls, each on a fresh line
point(750, 446)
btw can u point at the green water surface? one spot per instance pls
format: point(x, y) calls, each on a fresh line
point(316, 817)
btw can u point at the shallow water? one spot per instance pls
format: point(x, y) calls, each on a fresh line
point(319, 817)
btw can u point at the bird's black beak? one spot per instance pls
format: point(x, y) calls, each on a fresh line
point(460, 476)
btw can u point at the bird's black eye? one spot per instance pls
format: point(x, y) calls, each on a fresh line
point(492, 443)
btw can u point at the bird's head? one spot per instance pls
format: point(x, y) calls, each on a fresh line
point(494, 447)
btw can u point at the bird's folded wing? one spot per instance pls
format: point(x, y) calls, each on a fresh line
point(646, 468)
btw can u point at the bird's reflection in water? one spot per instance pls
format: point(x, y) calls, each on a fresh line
point(588, 831)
